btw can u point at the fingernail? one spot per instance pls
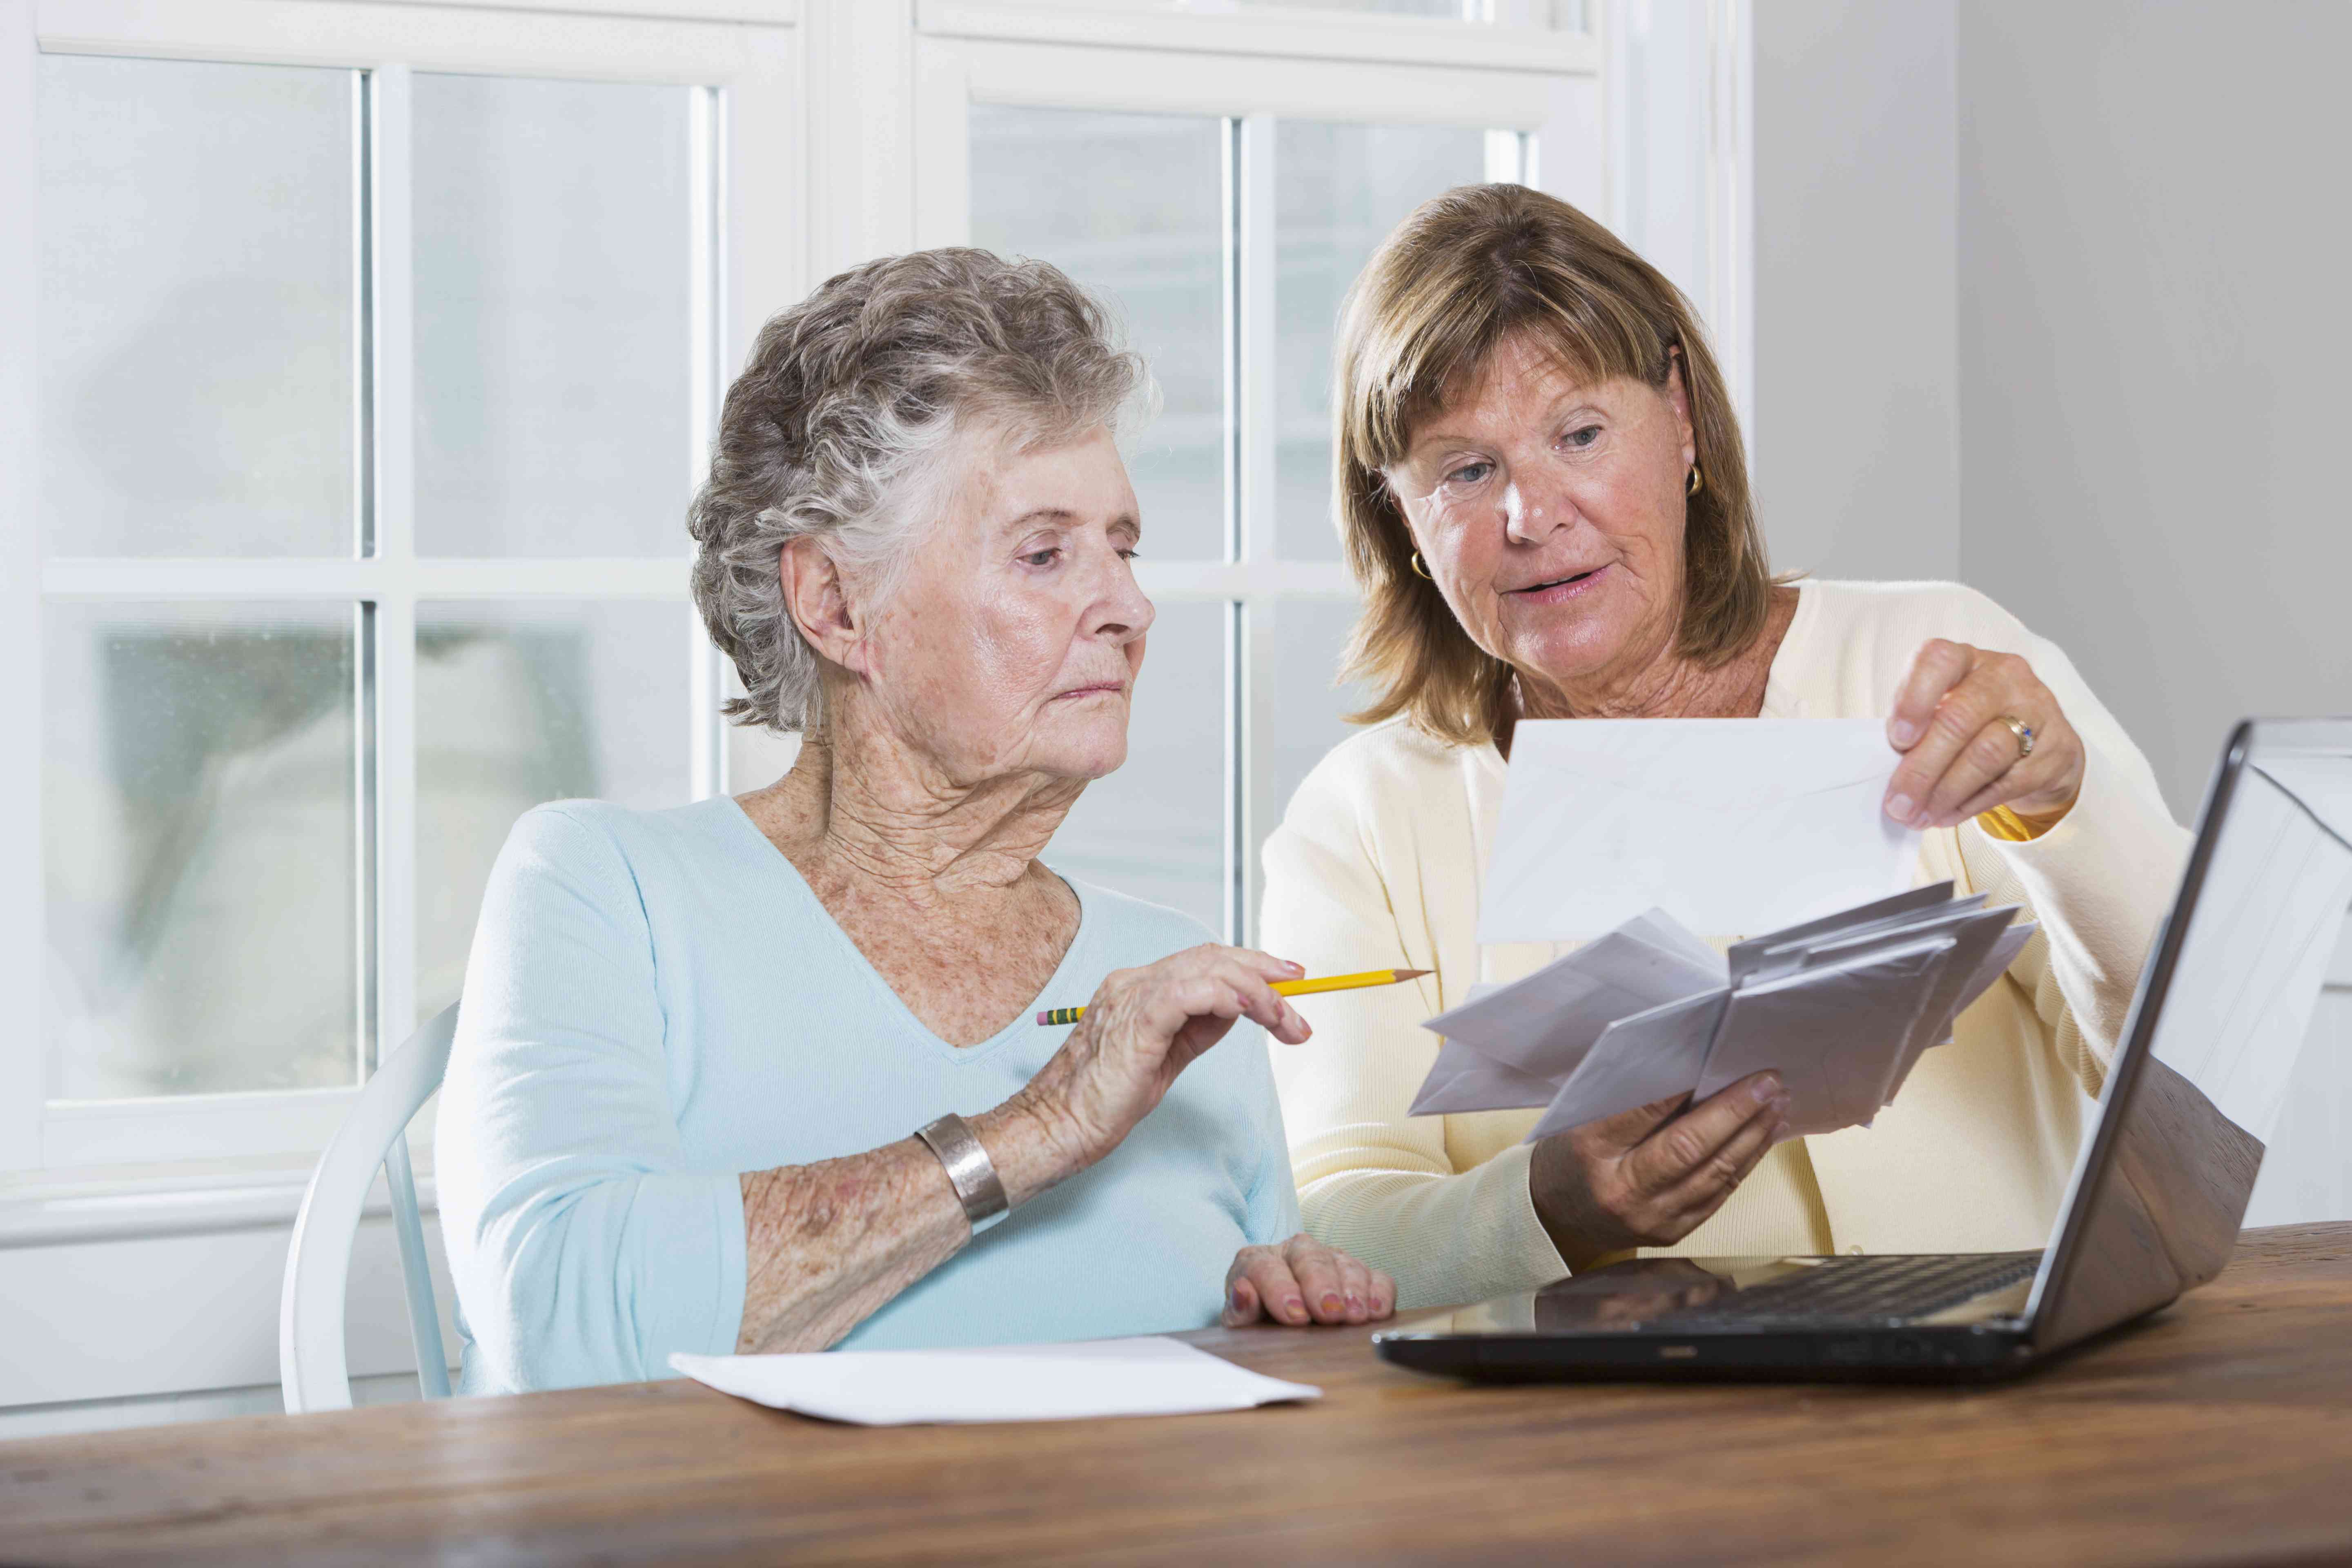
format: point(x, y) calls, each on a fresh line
point(1294, 1309)
point(1355, 1303)
point(1294, 968)
point(1781, 1105)
point(1902, 732)
point(1236, 1298)
point(1331, 1302)
point(1765, 1089)
point(1781, 1131)
point(1899, 807)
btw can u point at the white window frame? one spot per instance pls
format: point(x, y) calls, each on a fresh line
point(753, 133)
point(1529, 88)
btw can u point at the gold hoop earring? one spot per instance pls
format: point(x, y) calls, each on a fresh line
point(1697, 481)
point(1419, 570)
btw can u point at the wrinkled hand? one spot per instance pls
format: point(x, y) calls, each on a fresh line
point(1302, 1281)
point(1959, 759)
point(1141, 1029)
point(1649, 1177)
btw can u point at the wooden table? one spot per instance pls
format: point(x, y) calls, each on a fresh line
point(2221, 1430)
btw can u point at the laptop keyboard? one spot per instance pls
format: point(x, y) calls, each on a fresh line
point(1878, 1290)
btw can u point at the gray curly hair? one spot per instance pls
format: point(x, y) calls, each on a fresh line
point(844, 425)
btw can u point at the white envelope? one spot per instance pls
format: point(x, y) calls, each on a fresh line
point(1976, 937)
point(1463, 1079)
point(1636, 1061)
point(1809, 1027)
point(1544, 1022)
point(1732, 825)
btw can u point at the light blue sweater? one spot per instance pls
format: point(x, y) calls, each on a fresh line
point(658, 1003)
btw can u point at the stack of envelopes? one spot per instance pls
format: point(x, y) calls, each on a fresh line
point(1842, 1008)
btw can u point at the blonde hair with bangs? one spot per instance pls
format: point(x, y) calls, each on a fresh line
point(1468, 271)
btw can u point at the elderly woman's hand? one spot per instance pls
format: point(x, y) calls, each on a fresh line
point(1304, 1281)
point(1960, 756)
point(1649, 1177)
point(1142, 1028)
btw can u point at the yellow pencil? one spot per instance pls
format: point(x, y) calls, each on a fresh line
point(1281, 987)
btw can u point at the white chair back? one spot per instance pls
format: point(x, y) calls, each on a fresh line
point(311, 1361)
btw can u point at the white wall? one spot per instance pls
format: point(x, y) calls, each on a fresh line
point(2048, 300)
point(1857, 399)
point(2153, 304)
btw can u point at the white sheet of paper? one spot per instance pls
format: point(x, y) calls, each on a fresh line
point(1153, 1375)
point(1645, 1058)
point(1732, 825)
point(1461, 1079)
point(1545, 1021)
point(1832, 1034)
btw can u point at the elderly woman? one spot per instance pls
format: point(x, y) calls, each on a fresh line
point(697, 1045)
point(1544, 498)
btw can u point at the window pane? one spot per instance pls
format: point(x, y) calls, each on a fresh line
point(1156, 828)
point(1338, 190)
point(518, 703)
point(195, 363)
point(1309, 636)
point(1131, 206)
point(199, 819)
point(1457, 10)
point(554, 317)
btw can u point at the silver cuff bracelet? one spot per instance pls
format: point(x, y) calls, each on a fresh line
point(970, 1171)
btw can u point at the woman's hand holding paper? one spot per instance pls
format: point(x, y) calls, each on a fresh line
point(1960, 756)
point(1651, 1176)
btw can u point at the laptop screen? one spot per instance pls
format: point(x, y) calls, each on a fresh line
point(2223, 1010)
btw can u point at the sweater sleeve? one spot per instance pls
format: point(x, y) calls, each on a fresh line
point(582, 1251)
point(1273, 1202)
point(2099, 881)
point(1373, 1180)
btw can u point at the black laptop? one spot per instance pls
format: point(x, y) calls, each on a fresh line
point(2159, 1189)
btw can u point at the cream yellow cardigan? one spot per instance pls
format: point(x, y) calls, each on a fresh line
point(1379, 860)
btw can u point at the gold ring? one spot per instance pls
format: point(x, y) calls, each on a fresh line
point(2024, 733)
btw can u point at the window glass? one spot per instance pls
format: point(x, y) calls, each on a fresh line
point(1338, 190)
point(518, 703)
point(195, 367)
point(554, 317)
point(1457, 10)
point(1156, 828)
point(1131, 206)
point(199, 823)
point(1308, 638)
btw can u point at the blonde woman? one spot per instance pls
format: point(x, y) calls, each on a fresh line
point(1545, 502)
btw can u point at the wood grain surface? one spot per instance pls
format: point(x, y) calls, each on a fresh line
point(2219, 1431)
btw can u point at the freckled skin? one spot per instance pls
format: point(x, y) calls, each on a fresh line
point(961, 729)
point(964, 712)
point(1534, 475)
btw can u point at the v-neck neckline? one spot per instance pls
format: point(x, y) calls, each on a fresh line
point(1059, 983)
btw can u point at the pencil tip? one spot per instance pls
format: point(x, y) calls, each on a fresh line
point(1411, 974)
